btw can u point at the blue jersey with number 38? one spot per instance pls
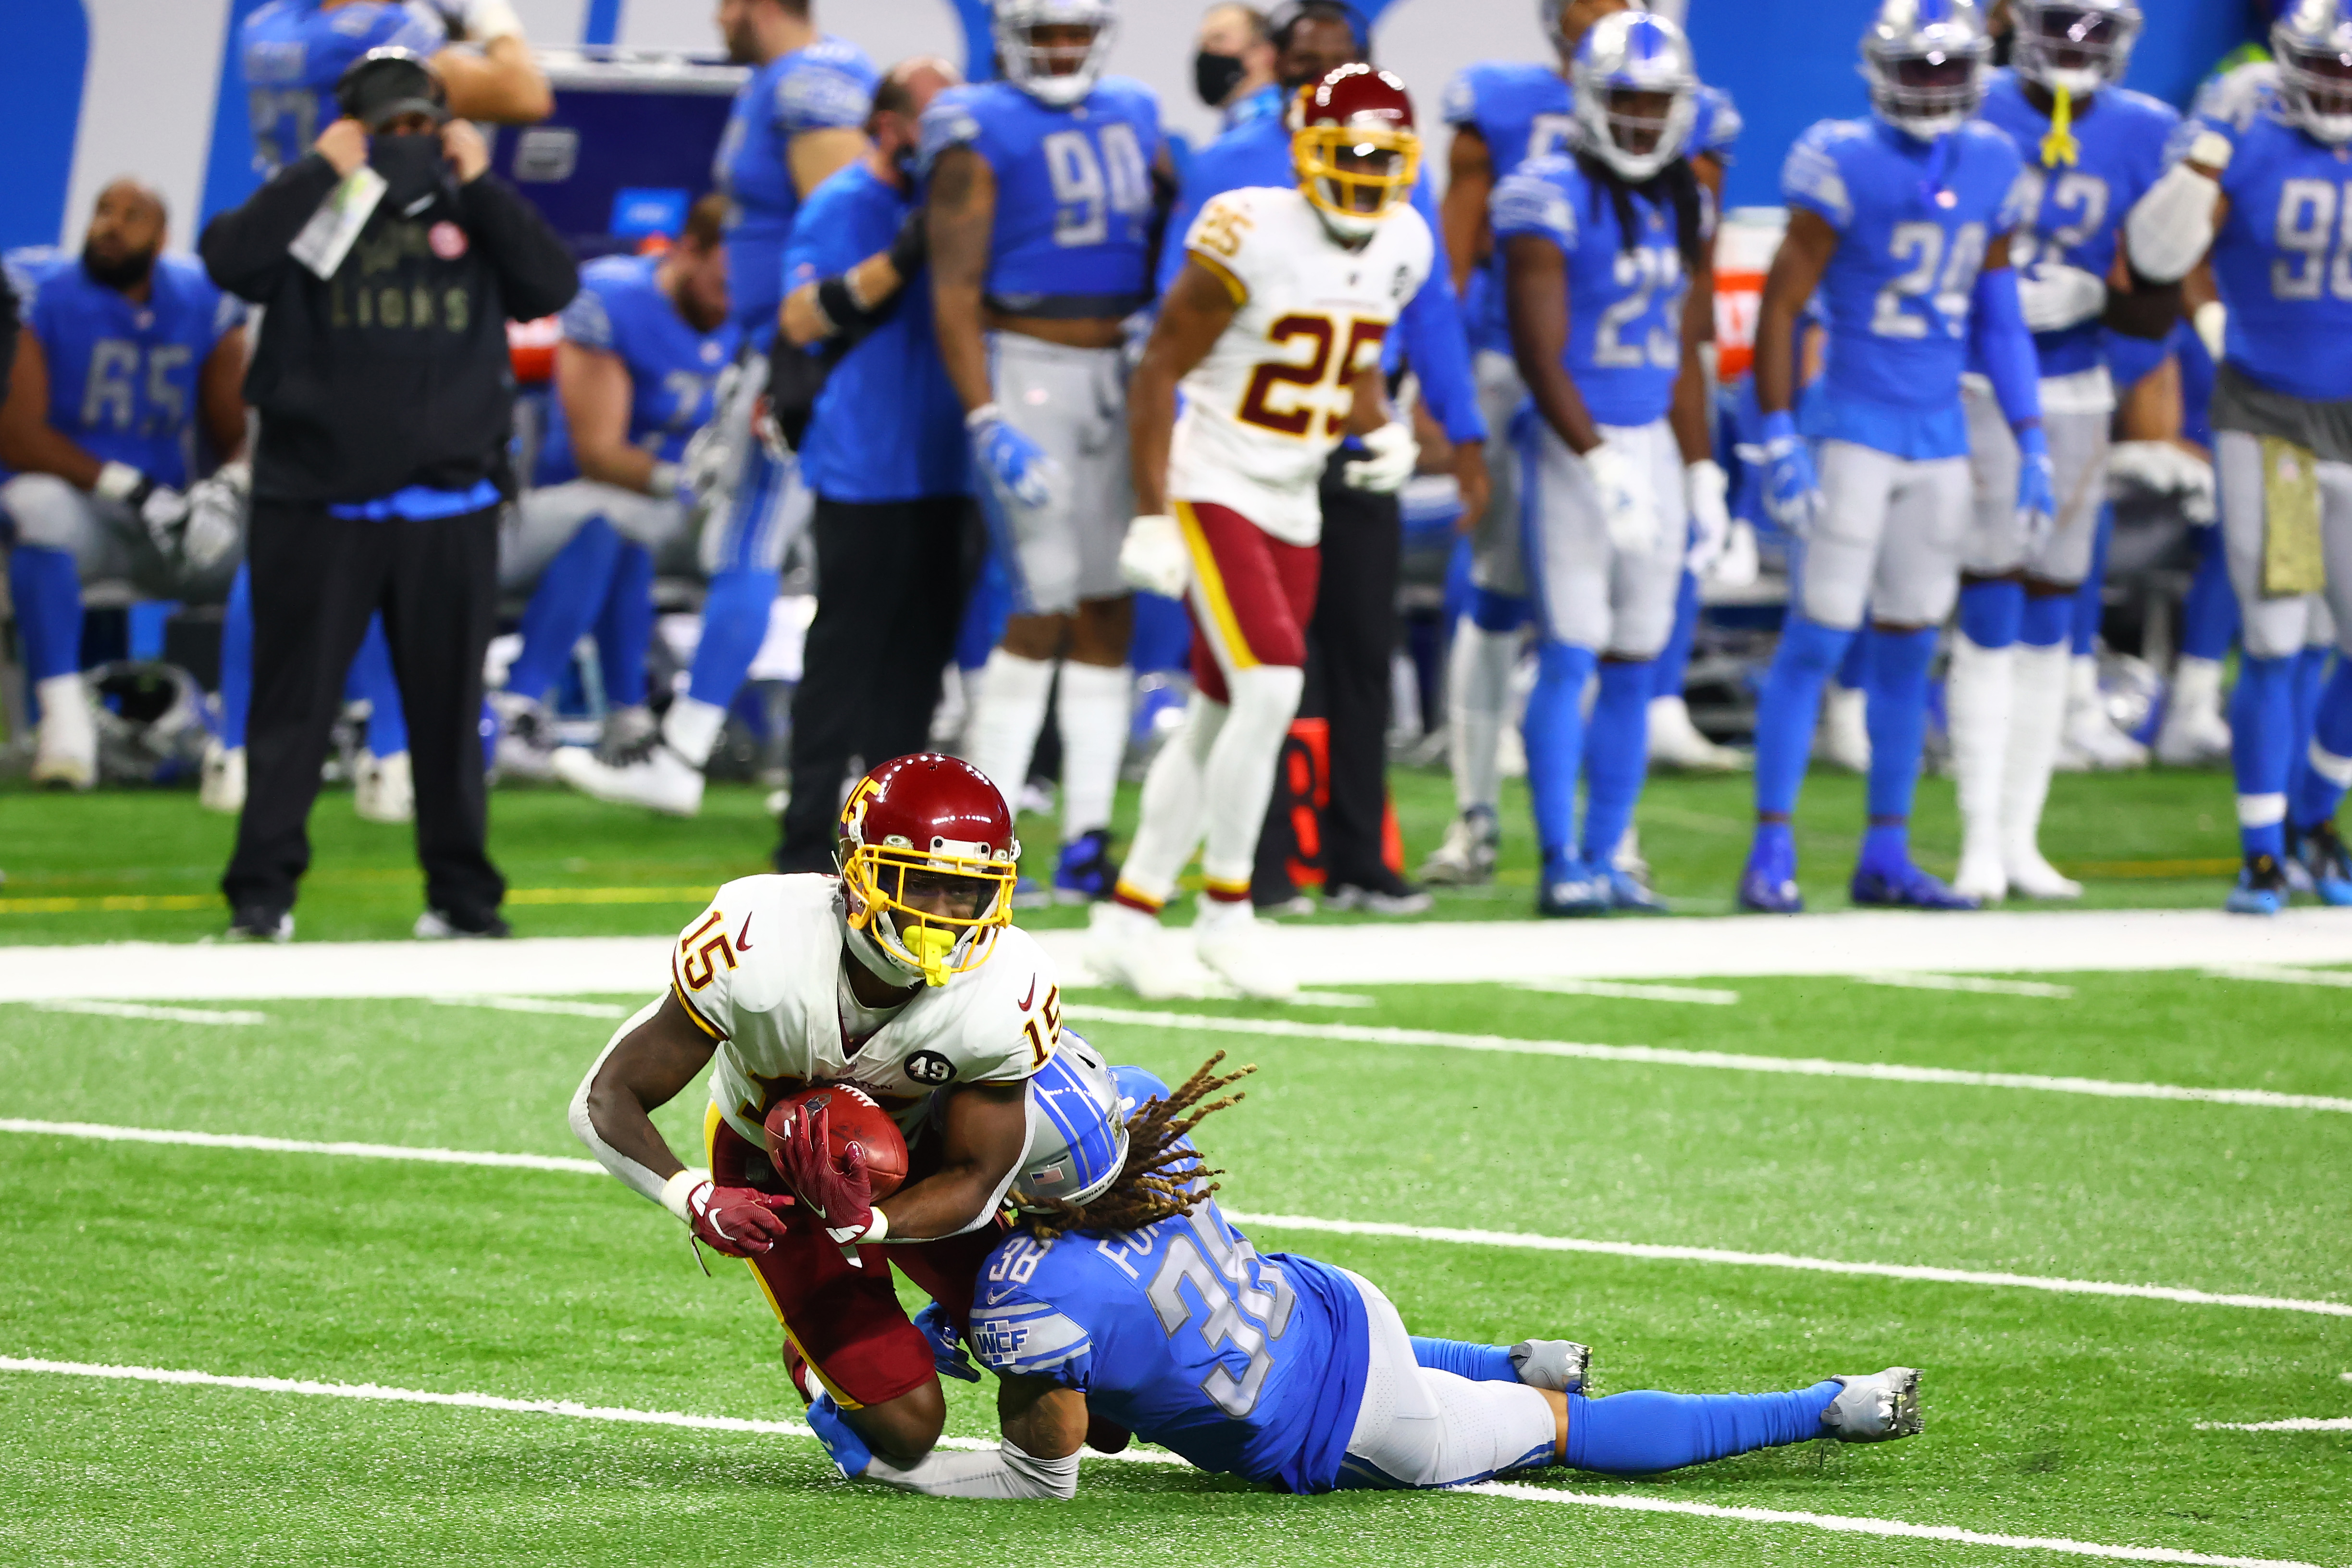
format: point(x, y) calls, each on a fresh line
point(1074, 197)
point(1182, 1333)
point(293, 53)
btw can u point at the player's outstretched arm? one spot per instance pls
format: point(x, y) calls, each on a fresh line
point(1200, 306)
point(851, 304)
point(986, 1128)
point(28, 442)
point(1042, 1424)
point(503, 84)
point(644, 1066)
point(2170, 230)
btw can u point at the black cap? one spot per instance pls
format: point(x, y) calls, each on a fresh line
point(385, 84)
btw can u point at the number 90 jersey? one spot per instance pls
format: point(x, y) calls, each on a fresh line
point(1913, 223)
point(760, 972)
point(1264, 408)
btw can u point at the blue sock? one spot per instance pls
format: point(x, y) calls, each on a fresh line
point(47, 587)
point(1162, 639)
point(624, 627)
point(1616, 756)
point(370, 678)
point(2310, 676)
point(734, 624)
point(1898, 717)
point(2087, 605)
point(984, 613)
point(1478, 1363)
point(2209, 616)
point(2046, 622)
point(1991, 613)
point(1554, 731)
point(2331, 731)
point(1673, 661)
point(1787, 706)
point(236, 659)
point(1640, 1434)
point(570, 592)
point(2262, 743)
point(1853, 666)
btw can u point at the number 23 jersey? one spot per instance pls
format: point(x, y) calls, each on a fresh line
point(1264, 408)
point(760, 972)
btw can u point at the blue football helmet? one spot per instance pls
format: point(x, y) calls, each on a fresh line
point(1058, 73)
point(1626, 54)
point(2080, 46)
point(1924, 60)
point(1077, 1131)
point(2312, 42)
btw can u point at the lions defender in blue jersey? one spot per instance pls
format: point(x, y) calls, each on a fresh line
point(1127, 1304)
point(1043, 192)
point(2090, 150)
point(1504, 113)
point(1606, 284)
point(1902, 222)
point(644, 343)
point(2259, 190)
point(800, 119)
point(127, 359)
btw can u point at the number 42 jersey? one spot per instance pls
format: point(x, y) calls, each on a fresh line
point(1263, 410)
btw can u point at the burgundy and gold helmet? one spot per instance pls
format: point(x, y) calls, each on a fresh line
point(1353, 144)
point(926, 848)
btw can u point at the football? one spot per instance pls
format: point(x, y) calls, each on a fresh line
point(852, 1116)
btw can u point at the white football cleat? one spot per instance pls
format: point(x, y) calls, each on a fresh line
point(2092, 743)
point(526, 748)
point(656, 778)
point(1875, 1409)
point(384, 790)
point(1235, 946)
point(1981, 875)
point(2030, 875)
point(221, 783)
point(1844, 736)
point(1127, 947)
point(1466, 858)
point(65, 748)
point(1677, 744)
point(2194, 733)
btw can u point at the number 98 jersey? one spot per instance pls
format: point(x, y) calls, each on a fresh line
point(1264, 408)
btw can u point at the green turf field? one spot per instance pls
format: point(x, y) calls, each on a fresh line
point(2049, 1414)
point(130, 864)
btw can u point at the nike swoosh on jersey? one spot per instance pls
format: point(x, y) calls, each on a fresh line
point(743, 937)
point(1022, 1003)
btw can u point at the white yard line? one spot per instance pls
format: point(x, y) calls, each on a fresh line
point(1520, 1240)
point(1660, 1056)
point(155, 1014)
point(1624, 991)
point(2292, 1424)
point(537, 1005)
point(1978, 983)
point(2279, 975)
point(1509, 1490)
point(1334, 999)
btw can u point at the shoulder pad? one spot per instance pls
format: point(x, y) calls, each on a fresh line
point(586, 321)
point(1720, 125)
point(1534, 199)
point(2144, 106)
point(952, 120)
point(815, 92)
point(1812, 176)
point(1129, 93)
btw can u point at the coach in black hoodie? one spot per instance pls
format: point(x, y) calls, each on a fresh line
point(386, 394)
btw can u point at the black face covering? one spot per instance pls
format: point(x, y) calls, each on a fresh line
point(1214, 77)
point(413, 167)
point(122, 276)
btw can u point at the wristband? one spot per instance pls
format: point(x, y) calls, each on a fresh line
point(664, 481)
point(985, 414)
point(874, 1232)
point(911, 244)
point(121, 482)
point(838, 304)
point(675, 1191)
point(1780, 426)
point(487, 20)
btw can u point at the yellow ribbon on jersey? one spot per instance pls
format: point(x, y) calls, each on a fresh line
point(2061, 146)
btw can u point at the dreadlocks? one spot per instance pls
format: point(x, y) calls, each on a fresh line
point(1674, 185)
point(1160, 1177)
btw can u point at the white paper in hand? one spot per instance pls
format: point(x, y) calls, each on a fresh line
point(327, 239)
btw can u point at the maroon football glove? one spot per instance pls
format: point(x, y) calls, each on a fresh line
point(737, 1220)
point(839, 1194)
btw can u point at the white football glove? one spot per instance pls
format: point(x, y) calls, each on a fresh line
point(2055, 296)
point(1154, 558)
point(1740, 565)
point(2212, 323)
point(2163, 469)
point(1394, 454)
point(1628, 506)
point(481, 20)
point(216, 512)
point(1704, 489)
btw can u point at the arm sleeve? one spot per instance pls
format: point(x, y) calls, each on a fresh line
point(537, 275)
point(1459, 107)
point(1019, 1334)
point(822, 96)
point(949, 122)
point(228, 314)
point(245, 249)
point(1997, 321)
point(1435, 341)
point(1005, 1473)
point(637, 1178)
point(1812, 179)
point(587, 322)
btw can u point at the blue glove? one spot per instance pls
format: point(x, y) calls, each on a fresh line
point(1792, 492)
point(1017, 464)
point(847, 1450)
point(947, 1351)
point(2037, 489)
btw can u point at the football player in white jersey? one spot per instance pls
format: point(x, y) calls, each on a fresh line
point(1274, 328)
point(902, 977)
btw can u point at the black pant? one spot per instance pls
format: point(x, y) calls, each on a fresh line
point(1351, 645)
point(316, 580)
point(890, 590)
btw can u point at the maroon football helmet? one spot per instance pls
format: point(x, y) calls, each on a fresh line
point(1354, 146)
point(926, 845)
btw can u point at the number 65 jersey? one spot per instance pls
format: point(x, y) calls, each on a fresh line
point(760, 971)
point(1264, 408)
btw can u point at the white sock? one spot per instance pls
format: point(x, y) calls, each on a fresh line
point(1976, 700)
point(691, 728)
point(61, 696)
point(2195, 689)
point(2037, 721)
point(1478, 692)
point(1175, 806)
point(1006, 715)
point(1094, 711)
point(1240, 772)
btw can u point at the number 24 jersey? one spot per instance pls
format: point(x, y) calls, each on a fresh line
point(1264, 408)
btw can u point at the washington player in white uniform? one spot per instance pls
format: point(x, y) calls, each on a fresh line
point(902, 978)
point(1274, 328)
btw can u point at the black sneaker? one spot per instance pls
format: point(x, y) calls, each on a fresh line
point(258, 922)
point(439, 926)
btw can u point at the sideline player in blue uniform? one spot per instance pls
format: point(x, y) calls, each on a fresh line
point(2257, 190)
point(1504, 113)
point(1902, 222)
point(1044, 188)
point(644, 343)
point(798, 122)
point(128, 360)
point(1129, 1304)
point(1607, 285)
point(2092, 149)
